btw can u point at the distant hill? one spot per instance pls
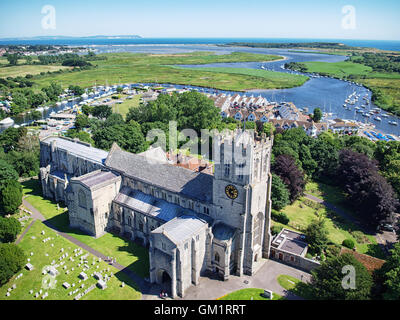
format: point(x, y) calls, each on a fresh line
point(101, 37)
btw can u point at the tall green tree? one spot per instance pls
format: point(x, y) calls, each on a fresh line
point(317, 236)
point(328, 279)
point(279, 193)
point(317, 116)
point(11, 196)
point(12, 259)
point(9, 229)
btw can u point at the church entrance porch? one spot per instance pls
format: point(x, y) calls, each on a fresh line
point(165, 281)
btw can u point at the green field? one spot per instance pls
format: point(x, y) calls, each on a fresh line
point(33, 280)
point(129, 68)
point(277, 80)
point(126, 252)
point(338, 69)
point(23, 70)
point(249, 294)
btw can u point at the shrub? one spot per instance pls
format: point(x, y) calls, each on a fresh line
point(348, 243)
point(280, 217)
point(275, 230)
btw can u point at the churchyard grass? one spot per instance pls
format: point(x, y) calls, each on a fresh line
point(303, 211)
point(43, 255)
point(250, 294)
point(126, 252)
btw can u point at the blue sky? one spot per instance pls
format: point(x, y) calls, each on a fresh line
point(375, 20)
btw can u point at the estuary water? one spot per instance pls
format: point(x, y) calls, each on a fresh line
point(325, 93)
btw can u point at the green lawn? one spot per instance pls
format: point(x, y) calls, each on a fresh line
point(295, 286)
point(124, 107)
point(129, 67)
point(32, 280)
point(303, 211)
point(126, 252)
point(249, 294)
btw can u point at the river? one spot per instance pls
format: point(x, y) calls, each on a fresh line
point(326, 93)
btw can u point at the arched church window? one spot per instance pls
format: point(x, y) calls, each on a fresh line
point(129, 221)
point(216, 257)
point(82, 199)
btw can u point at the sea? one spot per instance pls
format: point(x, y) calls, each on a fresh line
point(391, 45)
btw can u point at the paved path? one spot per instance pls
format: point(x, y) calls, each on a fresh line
point(24, 233)
point(265, 278)
point(148, 290)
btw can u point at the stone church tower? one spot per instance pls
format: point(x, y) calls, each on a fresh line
point(241, 196)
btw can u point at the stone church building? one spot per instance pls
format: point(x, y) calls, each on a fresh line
point(192, 222)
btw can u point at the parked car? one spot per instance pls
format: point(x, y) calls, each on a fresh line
point(387, 227)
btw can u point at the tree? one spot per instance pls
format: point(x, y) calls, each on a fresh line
point(279, 193)
point(317, 116)
point(120, 89)
point(12, 259)
point(87, 110)
point(286, 168)
point(13, 59)
point(327, 280)
point(387, 278)
point(76, 90)
point(36, 115)
point(9, 229)
point(102, 111)
point(7, 172)
point(371, 195)
point(81, 121)
point(317, 236)
point(11, 196)
point(81, 135)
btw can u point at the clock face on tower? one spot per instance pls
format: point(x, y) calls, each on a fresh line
point(231, 192)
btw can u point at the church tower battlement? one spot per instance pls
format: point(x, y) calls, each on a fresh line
point(241, 193)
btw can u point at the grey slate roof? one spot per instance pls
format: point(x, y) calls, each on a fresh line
point(139, 201)
point(96, 178)
point(181, 228)
point(80, 150)
point(176, 179)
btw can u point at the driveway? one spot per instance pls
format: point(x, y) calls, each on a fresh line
point(265, 278)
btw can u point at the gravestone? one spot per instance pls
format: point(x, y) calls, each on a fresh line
point(102, 285)
point(268, 294)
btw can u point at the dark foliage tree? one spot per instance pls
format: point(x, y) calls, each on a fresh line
point(12, 259)
point(367, 190)
point(9, 229)
point(285, 167)
point(11, 196)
